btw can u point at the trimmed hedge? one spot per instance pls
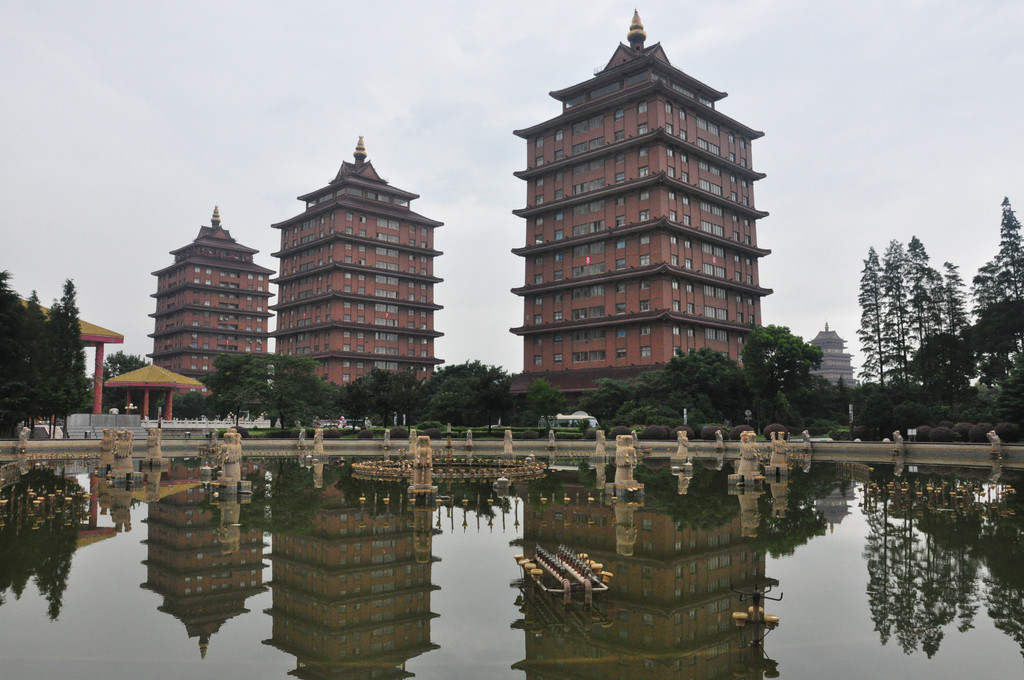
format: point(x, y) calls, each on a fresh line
point(736, 433)
point(652, 432)
point(942, 434)
point(1008, 432)
point(707, 433)
point(776, 427)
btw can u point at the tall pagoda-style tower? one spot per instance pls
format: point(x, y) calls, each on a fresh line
point(356, 282)
point(641, 237)
point(214, 299)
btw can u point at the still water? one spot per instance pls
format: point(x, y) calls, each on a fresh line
point(922, 578)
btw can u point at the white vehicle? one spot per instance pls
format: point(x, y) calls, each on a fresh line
point(573, 420)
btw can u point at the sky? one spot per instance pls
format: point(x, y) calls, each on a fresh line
point(125, 123)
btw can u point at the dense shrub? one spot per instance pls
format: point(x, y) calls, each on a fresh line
point(924, 433)
point(819, 430)
point(963, 431)
point(654, 432)
point(776, 427)
point(434, 433)
point(979, 433)
point(736, 433)
point(529, 434)
point(591, 433)
point(619, 429)
point(243, 431)
point(332, 433)
point(399, 433)
point(860, 432)
point(707, 433)
point(427, 424)
point(948, 424)
point(365, 434)
point(674, 432)
point(942, 434)
point(1008, 432)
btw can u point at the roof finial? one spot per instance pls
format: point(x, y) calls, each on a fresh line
point(215, 220)
point(360, 152)
point(826, 326)
point(636, 35)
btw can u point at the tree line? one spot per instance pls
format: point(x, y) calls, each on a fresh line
point(42, 359)
point(932, 346)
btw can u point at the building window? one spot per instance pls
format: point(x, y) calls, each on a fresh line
point(645, 351)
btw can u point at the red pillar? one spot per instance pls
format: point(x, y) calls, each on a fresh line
point(97, 381)
point(170, 404)
point(145, 402)
point(127, 399)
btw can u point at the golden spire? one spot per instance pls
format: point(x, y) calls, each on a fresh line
point(360, 152)
point(636, 35)
point(215, 220)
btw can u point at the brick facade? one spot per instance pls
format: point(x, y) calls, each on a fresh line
point(641, 236)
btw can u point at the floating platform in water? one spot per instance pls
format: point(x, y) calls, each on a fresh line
point(565, 572)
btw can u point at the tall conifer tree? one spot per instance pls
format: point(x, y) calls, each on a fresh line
point(896, 312)
point(67, 387)
point(871, 319)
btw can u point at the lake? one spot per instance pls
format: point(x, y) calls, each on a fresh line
point(328, 576)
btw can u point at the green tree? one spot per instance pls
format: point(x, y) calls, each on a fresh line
point(66, 384)
point(777, 366)
point(192, 405)
point(604, 402)
point(872, 319)
point(239, 382)
point(951, 301)
point(14, 368)
point(470, 393)
point(998, 332)
point(383, 396)
point(896, 322)
point(544, 399)
point(925, 285)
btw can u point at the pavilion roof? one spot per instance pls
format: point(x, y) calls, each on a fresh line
point(152, 376)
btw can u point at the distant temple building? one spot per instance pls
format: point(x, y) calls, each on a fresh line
point(214, 299)
point(641, 227)
point(356, 288)
point(835, 363)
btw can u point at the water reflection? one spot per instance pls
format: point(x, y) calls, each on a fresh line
point(692, 564)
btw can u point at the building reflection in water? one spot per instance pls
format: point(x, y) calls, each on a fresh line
point(669, 610)
point(199, 558)
point(351, 597)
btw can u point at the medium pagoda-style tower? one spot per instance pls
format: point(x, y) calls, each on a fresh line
point(641, 236)
point(214, 299)
point(356, 282)
point(836, 362)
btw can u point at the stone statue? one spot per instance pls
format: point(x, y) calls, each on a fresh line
point(153, 440)
point(231, 456)
point(996, 442)
point(507, 446)
point(749, 468)
point(107, 443)
point(23, 437)
point(318, 441)
point(124, 442)
point(302, 437)
point(682, 445)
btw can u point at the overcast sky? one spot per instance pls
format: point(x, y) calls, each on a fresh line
point(124, 123)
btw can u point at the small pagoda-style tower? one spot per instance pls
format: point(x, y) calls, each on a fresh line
point(214, 299)
point(356, 282)
point(835, 363)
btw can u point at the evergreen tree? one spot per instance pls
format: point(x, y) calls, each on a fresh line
point(67, 387)
point(951, 301)
point(35, 334)
point(998, 331)
point(872, 319)
point(544, 399)
point(14, 374)
point(925, 284)
point(896, 312)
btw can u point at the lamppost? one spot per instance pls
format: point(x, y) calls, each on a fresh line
point(270, 386)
